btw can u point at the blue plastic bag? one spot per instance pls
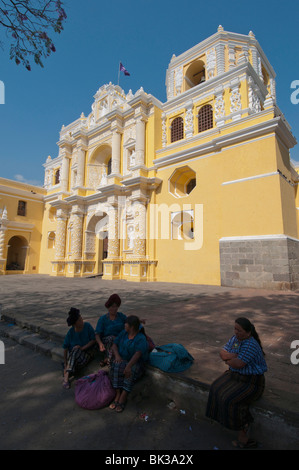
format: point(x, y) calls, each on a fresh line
point(171, 357)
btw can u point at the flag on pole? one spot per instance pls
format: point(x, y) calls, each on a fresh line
point(123, 69)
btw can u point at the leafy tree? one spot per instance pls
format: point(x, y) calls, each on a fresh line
point(27, 23)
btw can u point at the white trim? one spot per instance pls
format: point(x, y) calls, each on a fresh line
point(250, 178)
point(275, 126)
point(19, 194)
point(257, 237)
point(211, 154)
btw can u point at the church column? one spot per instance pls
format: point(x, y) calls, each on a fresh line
point(139, 210)
point(3, 228)
point(60, 237)
point(116, 142)
point(81, 152)
point(140, 140)
point(112, 264)
point(220, 57)
point(113, 232)
point(77, 232)
point(64, 176)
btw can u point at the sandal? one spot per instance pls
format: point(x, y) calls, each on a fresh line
point(120, 407)
point(113, 405)
point(250, 444)
point(66, 385)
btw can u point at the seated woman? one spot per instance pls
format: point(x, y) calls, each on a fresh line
point(109, 326)
point(78, 345)
point(232, 393)
point(130, 349)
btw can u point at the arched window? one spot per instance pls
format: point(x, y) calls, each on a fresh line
point(109, 166)
point(205, 118)
point(51, 239)
point(57, 176)
point(177, 129)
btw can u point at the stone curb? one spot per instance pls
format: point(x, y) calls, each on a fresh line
point(275, 427)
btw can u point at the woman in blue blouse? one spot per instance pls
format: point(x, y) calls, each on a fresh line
point(78, 344)
point(232, 393)
point(131, 351)
point(109, 326)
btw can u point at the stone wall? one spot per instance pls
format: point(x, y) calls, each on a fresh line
point(269, 262)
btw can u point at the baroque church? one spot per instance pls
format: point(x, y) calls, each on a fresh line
point(199, 189)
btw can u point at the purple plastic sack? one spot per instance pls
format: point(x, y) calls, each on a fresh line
point(94, 391)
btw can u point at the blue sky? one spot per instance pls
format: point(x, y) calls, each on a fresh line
point(143, 35)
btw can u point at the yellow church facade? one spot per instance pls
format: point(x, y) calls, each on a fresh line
point(199, 189)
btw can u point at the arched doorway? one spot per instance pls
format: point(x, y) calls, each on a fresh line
point(99, 166)
point(16, 255)
point(96, 240)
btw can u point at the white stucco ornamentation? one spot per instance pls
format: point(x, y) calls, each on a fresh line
point(178, 80)
point(113, 233)
point(188, 124)
point(211, 63)
point(139, 210)
point(235, 98)
point(60, 239)
point(164, 131)
point(76, 236)
point(254, 101)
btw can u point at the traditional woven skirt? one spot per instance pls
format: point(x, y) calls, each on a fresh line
point(230, 396)
point(118, 380)
point(78, 359)
point(108, 343)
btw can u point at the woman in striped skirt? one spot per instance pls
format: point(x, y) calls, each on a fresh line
point(130, 351)
point(79, 345)
point(232, 393)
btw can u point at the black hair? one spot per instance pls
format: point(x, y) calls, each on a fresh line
point(134, 321)
point(250, 328)
point(73, 316)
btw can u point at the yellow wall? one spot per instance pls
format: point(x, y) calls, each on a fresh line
point(29, 227)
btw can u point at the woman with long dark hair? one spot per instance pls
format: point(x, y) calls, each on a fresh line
point(244, 382)
point(79, 345)
point(130, 350)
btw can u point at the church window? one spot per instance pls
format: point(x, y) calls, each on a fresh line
point(22, 208)
point(191, 185)
point(182, 181)
point(109, 166)
point(51, 239)
point(57, 176)
point(177, 129)
point(205, 118)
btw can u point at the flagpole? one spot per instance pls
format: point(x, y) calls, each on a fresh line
point(118, 73)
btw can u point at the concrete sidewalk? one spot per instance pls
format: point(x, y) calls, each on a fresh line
point(201, 318)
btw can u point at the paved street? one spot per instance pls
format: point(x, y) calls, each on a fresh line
point(37, 413)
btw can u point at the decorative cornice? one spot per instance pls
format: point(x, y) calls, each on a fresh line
point(208, 87)
point(257, 237)
point(276, 125)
